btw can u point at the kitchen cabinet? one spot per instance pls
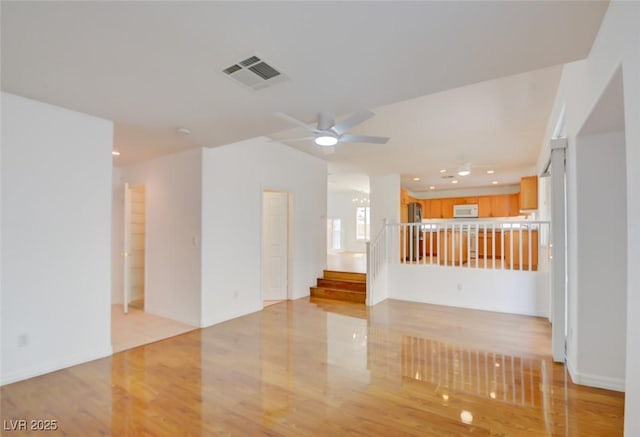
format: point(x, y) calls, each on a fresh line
point(512, 236)
point(451, 245)
point(435, 208)
point(404, 196)
point(467, 201)
point(514, 205)
point(528, 199)
point(491, 238)
point(504, 205)
point(484, 206)
point(500, 206)
point(447, 207)
point(426, 208)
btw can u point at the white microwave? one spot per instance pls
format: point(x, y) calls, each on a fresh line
point(465, 211)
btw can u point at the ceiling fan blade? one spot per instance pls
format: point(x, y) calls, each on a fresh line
point(296, 121)
point(280, 140)
point(346, 138)
point(349, 122)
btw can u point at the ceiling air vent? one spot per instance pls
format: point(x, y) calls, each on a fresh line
point(254, 73)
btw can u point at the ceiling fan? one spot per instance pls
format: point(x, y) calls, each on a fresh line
point(328, 133)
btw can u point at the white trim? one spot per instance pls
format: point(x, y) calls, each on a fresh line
point(597, 381)
point(56, 364)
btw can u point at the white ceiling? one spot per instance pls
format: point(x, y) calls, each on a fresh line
point(155, 66)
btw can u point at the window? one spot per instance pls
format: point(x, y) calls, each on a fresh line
point(362, 223)
point(334, 234)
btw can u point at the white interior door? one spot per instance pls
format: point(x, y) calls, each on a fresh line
point(126, 248)
point(275, 243)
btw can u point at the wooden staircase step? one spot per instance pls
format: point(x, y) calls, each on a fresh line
point(343, 284)
point(349, 276)
point(345, 295)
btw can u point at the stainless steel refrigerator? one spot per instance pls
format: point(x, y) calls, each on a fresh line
point(414, 236)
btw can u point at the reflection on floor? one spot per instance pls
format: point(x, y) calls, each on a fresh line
point(347, 262)
point(298, 368)
point(268, 303)
point(138, 328)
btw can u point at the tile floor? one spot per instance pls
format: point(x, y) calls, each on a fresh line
point(137, 328)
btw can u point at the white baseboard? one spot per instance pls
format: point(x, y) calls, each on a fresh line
point(56, 364)
point(597, 381)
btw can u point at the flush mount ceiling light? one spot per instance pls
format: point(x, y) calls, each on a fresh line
point(455, 181)
point(494, 182)
point(491, 171)
point(465, 170)
point(432, 187)
point(326, 140)
point(444, 170)
point(416, 179)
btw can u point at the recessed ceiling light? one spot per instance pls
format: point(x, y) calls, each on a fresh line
point(432, 187)
point(494, 182)
point(454, 181)
point(444, 170)
point(326, 140)
point(115, 153)
point(491, 171)
point(416, 179)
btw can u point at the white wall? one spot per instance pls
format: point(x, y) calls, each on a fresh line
point(506, 291)
point(384, 197)
point(56, 224)
point(385, 201)
point(173, 224)
point(340, 205)
point(234, 177)
point(582, 84)
point(600, 290)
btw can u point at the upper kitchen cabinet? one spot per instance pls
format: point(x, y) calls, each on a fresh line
point(447, 207)
point(435, 208)
point(529, 193)
point(426, 207)
point(404, 196)
point(500, 206)
point(514, 205)
point(484, 206)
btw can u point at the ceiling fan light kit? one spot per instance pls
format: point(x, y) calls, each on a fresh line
point(326, 140)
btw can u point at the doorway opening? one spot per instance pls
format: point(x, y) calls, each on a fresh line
point(134, 248)
point(598, 242)
point(276, 246)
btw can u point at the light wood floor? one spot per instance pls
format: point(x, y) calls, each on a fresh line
point(329, 368)
point(137, 328)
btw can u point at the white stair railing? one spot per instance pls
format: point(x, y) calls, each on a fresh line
point(377, 260)
point(514, 245)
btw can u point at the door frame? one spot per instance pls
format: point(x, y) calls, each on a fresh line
point(126, 255)
point(264, 190)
